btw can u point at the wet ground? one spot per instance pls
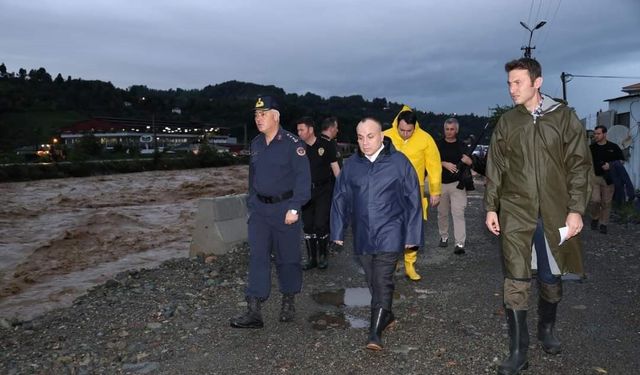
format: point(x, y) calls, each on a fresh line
point(174, 319)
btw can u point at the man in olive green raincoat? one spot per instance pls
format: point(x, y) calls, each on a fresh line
point(538, 181)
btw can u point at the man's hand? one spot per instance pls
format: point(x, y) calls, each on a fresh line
point(434, 200)
point(605, 167)
point(290, 218)
point(339, 242)
point(492, 222)
point(467, 160)
point(574, 224)
point(450, 167)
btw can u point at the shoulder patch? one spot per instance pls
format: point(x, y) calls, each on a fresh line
point(301, 151)
point(292, 137)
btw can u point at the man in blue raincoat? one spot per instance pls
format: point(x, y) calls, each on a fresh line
point(378, 194)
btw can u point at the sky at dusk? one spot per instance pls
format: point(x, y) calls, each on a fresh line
point(440, 56)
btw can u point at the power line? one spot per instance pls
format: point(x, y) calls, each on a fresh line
point(567, 77)
point(551, 22)
point(538, 12)
point(589, 76)
point(530, 12)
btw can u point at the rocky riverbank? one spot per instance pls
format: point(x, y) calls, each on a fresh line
point(173, 319)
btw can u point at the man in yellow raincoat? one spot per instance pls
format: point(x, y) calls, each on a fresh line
point(421, 150)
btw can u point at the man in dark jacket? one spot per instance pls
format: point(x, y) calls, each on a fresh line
point(603, 153)
point(378, 193)
point(279, 185)
point(454, 194)
point(315, 214)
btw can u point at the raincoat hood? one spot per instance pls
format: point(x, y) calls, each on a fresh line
point(394, 124)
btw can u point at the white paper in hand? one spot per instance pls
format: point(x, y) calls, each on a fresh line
point(563, 234)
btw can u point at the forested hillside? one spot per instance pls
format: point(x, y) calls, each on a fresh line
point(34, 106)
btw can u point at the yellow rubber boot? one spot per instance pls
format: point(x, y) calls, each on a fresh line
point(410, 257)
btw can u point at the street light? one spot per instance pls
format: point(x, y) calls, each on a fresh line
point(527, 49)
point(153, 126)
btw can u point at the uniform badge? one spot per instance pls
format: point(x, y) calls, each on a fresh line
point(321, 151)
point(300, 151)
point(279, 137)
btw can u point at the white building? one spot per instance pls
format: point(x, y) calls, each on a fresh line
point(625, 111)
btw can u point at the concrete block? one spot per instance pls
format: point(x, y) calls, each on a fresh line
point(221, 225)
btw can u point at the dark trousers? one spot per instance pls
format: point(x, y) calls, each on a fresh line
point(315, 214)
point(378, 272)
point(268, 232)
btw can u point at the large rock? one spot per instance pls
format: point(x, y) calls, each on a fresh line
point(221, 225)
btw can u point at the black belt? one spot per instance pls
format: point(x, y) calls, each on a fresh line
point(275, 199)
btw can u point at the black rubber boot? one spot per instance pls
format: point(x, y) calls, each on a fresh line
point(518, 343)
point(379, 320)
point(389, 322)
point(288, 309)
point(321, 245)
point(546, 322)
point(312, 254)
point(252, 318)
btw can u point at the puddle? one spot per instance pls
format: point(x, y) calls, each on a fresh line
point(340, 298)
point(347, 297)
point(335, 319)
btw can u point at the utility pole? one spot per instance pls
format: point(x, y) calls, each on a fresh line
point(155, 135)
point(563, 78)
point(528, 48)
point(246, 136)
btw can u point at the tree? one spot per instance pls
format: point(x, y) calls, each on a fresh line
point(59, 79)
point(87, 146)
point(22, 74)
point(39, 75)
point(3, 70)
point(379, 103)
point(496, 112)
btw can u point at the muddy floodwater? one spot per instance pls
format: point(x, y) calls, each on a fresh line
point(59, 237)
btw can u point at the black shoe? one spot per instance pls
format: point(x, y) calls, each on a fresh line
point(380, 319)
point(546, 322)
point(518, 343)
point(459, 250)
point(252, 318)
point(312, 254)
point(594, 224)
point(443, 242)
point(288, 310)
point(603, 229)
point(321, 245)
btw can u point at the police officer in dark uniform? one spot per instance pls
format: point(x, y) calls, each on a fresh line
point(330, 133)
point(279, 185)
point(315, 214)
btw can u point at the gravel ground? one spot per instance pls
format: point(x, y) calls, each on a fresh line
point(174, 319)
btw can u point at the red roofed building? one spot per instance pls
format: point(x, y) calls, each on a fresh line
point(138, 133)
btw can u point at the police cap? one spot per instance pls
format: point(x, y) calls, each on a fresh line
point(265, 103)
